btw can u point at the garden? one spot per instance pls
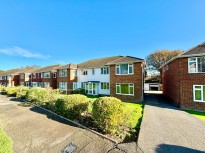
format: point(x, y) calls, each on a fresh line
point(106, 115)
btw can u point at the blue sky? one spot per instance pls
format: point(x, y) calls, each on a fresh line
point(46, 32)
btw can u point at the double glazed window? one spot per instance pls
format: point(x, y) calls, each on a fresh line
point(199, 93)
point(105, 85)
point(125, 89)
point(46, 75)
point(63, 85)
point(105, 70)
point(196, 65)
point(124, 69)
point(74, 85)
point(21, 76)
point(46, 84)
point(63, 73)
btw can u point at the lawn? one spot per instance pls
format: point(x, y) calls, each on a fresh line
point(200, 115)
point(5, 143)
point(135, 111)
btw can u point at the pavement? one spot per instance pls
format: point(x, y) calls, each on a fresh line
point(35, 130)
point(167, 129)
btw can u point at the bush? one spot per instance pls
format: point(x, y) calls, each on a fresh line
point(71, 106)
point(2, 89)
point(11, 91)
point(39, 95)
point(79, 91)
point(22, 92)
point(108, 113)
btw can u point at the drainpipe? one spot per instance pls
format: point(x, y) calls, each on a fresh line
point(142, 83)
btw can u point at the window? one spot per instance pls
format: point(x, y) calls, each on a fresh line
point(74, 85)
point(196, 65)
point(63, 85)
point(93, 71)
point(39, 75)
point(46, 84)
point(21, 83)
point(105, 85)
point(75, 73)
point(125, 89)
point(34, 75)
point(34, 84)
point(8, 77)
point(63, 73)
point(46, 75)
point(85, 72)
point(21, 76)
point(27, 84)
point(199, 93)
point(105, 70)
point(54, 75)
point(124, 69)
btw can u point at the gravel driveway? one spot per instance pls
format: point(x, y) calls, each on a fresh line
point(166, 129)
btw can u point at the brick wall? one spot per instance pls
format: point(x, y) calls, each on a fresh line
point(53, 81)
point(178, 84)
point(136, 79)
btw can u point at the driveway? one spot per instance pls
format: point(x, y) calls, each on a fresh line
point(167, 129)
point(35, 130)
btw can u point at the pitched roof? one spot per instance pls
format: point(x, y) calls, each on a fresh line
point(47, 68)
point(108, 61)
point(197, 50)
point(11, 72)
point(68, 66)
point(31, 70)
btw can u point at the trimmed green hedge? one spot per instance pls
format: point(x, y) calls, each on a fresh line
point(108, 113)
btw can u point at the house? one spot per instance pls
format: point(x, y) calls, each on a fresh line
point(116, 76)
point(10, 77)
point(25, 77)
point(45, 77)
point(183, 79)
point(67, 78)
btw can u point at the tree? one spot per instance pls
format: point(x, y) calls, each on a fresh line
point(160, 57)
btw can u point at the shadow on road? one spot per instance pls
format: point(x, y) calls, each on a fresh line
point(162, 148)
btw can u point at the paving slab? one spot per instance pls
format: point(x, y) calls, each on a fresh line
point(168, 129)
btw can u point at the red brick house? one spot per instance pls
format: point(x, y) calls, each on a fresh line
point(45, 77)
point(25, 77)
point(183, 79)
point(10, 77)
point(67, 77)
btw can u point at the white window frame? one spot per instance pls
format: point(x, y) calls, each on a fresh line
point(199, 89)
point(54, 75)
point(63, 84)
point(49, 73)
point(21, 83)
point(21, 76)
point(46, 86)
point(63, 73)
point(129, 85)
point(128, 71)
point(196, 61)
point(104, 70)
point(106, 84)
point(75, 85)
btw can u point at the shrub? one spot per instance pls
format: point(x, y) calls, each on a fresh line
point(39, 95)
point(71, 106)
point(2, 89)
point(22, 92)
point(108, 113)
point(79, 91)
point(11, 91)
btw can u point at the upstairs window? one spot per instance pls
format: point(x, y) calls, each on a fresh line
point(196, 65)
point(75, 73)
point(63, 73)
point(21, 76)
point(85, 72)
point(124, 69)
point(46, 75)
point(54, 75)
point(34, 75)
point(93, 71)
point(105, 70)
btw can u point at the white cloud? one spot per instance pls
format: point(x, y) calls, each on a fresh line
point(17, 51)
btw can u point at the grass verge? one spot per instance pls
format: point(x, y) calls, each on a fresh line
point(200, 115)
point(5, 143)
